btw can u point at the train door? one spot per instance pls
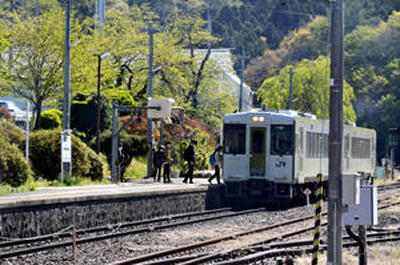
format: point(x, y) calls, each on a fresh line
point(257, 151)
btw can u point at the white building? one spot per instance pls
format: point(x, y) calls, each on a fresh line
point(17, 108)
point(229, 79)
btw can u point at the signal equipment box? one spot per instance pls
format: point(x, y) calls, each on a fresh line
point(350, 190)
point(365, 213)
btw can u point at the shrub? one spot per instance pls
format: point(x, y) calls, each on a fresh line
point(12, 133)
point(204, 148)
point(14, 169)
point(51, 119)
point(96, 171)
point(45, 149)
point(83, 115)
point(132, 145)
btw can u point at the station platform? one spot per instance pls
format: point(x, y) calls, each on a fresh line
point(53, 195)
point(52, 209)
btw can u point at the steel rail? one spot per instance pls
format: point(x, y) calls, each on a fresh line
point(295, 252)
point(107, 227)
point(217, 240)
point(121, 233)
point(208, 242)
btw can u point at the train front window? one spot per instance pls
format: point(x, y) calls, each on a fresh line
point(281, 139)
point(234, 139)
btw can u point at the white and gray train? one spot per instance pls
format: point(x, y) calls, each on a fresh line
point(277, 154)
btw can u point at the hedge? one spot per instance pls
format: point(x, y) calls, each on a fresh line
point(12, 133)
point(132, 145)
point(14, 169)
point(45, 155)
point(51, 119)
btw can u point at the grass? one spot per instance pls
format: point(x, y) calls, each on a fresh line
point(32, 185)
point(137, 169)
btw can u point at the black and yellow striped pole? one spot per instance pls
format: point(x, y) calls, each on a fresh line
point(317, 219)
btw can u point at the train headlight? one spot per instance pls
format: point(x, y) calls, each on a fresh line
point(258, 119)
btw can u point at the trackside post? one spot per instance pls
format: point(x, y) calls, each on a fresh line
point(317, 219)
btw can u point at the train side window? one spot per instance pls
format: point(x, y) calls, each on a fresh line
point(281, 140)
point(234, 139)
point(317, 145)
point(360, 147)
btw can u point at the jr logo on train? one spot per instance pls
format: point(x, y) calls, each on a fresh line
point(278, 154)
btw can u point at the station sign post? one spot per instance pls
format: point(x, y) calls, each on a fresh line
point(66, 154)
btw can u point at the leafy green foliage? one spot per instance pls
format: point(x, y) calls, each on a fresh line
point(202, 150)
point(83, 116)
point(12, 133)
point(35, 60)
point(51, 119)
point(45, 150)
point(373, 70)
point(307, 42)
point(14, 169)
point(309, 89)
point(132, 146)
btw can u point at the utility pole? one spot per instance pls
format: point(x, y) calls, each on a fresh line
point(99, 14)
point(37, 8)
point(241, 81)
point(66, 163)
point(393, 142)
point(335, 208)
point(242, 65)
point(99, 105)
point(150, 128)
point(114, 142)
point(98, 109)
point(291, 73)
point(27, 132)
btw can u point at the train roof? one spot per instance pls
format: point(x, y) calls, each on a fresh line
point(280, 116)
point(272, 115)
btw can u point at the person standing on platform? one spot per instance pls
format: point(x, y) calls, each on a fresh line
point(217, 159)
point(189, 156)
point(158, 161)
point(167, 163)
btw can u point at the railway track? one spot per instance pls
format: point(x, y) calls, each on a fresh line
point(13, 248)
point(16, 248)
point(181, 256)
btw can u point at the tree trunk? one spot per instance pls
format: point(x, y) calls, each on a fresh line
point(38, 106)
point(199, 77)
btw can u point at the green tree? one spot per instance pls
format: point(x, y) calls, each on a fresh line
point(34, 62)
point(309, 89)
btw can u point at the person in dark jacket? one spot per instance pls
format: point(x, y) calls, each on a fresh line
point(217, 165)
point(189, 156)
point(167, 163)
point(158, 161)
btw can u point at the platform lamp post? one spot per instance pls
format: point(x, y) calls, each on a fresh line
point(99, 106)
point(150, 128)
